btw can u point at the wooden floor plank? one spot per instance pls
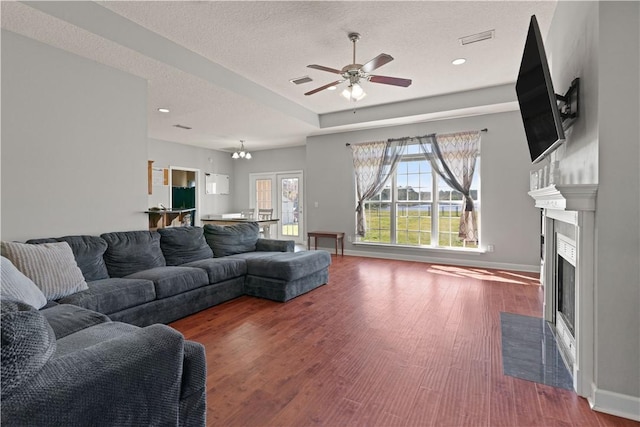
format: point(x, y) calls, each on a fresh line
point(388, 343)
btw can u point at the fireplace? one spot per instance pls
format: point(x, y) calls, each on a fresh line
point(567, 274)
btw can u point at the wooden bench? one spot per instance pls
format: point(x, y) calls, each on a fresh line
point(337, 235)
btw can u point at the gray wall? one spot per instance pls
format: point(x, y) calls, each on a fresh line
point(165, 154)
point(617, 210)
point(284, 159)
point(509, 220)
point(600, 43)
point(74, 144)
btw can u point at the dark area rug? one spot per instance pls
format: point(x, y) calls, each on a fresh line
point(530, 352)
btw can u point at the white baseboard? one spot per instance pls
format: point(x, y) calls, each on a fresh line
point(447, 261)
point(620, 405)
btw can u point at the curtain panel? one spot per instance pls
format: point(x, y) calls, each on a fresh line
point(373, 163)
point(453, 157)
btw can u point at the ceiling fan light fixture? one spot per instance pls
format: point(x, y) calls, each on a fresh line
point(354, 92)
point(235, 155)
point(354, 73)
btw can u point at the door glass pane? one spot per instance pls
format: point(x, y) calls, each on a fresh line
point(289, 208)
point(263, 193)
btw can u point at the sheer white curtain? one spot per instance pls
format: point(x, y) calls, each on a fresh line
point(373, 163)
point(453, 157)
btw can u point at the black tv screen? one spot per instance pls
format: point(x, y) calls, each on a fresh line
point(537, 99)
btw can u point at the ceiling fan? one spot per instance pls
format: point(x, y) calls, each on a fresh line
point(353, 73)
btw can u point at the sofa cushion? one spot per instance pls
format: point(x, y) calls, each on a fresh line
point(112, 295)
point(181, 245)
point(28, 342)
point(88, 252)
point(66, 319)
point(220, 269)
point(251, 255)
point(232, 239)
point(170, 281)
point(289, 266)
point(92, 335)
point(274, 245)
point(15, 285)
point(131, 251)
point(51, 266)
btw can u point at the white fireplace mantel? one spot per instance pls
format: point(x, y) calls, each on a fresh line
point(571, 197)
point(573, 204)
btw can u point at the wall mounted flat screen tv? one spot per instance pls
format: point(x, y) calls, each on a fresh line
point(537, 99)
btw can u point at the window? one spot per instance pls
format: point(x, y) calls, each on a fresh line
point(417, 207)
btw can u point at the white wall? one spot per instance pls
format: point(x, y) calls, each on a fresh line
point(74, 145)
point(600, 43)
point(508, 217)
point(165, 154)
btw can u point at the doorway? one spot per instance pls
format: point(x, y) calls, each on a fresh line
point(184, 194)
point(284, 193)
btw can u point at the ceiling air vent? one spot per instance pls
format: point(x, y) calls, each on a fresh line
point(474, 38)
point(182, 127)
point(301, 80)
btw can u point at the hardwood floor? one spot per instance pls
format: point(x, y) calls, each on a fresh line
point(384, 343)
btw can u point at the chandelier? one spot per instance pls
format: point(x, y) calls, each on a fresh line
point(241, 154)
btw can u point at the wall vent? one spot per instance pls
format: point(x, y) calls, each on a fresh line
point(182, 127)
point(301, 80)
point(474, 38)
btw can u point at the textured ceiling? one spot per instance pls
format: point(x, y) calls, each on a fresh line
point(223, 68)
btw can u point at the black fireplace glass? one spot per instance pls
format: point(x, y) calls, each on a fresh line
point(567, 292)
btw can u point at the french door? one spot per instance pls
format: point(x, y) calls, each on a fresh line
point(282, 192)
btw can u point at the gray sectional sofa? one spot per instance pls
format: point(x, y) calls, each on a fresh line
point(87, 348)
point(146, 277)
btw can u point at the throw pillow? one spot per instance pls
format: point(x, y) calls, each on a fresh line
point(88, 252)
point(15, 285)
point(232, 239)
point(51, 266)
point(181, 245)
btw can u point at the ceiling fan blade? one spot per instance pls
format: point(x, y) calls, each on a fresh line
point(377, 62)
point(323, 68)
point(390, 80)
point(327, 86)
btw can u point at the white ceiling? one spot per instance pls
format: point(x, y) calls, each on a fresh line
point(223, 67)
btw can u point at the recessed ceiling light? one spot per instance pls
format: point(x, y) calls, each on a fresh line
point(332, 88)
point(163, 110)
point(458, 61)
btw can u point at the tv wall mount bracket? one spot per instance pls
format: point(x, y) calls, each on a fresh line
point(569, 104)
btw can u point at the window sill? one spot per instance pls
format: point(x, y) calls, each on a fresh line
point(439, 249)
